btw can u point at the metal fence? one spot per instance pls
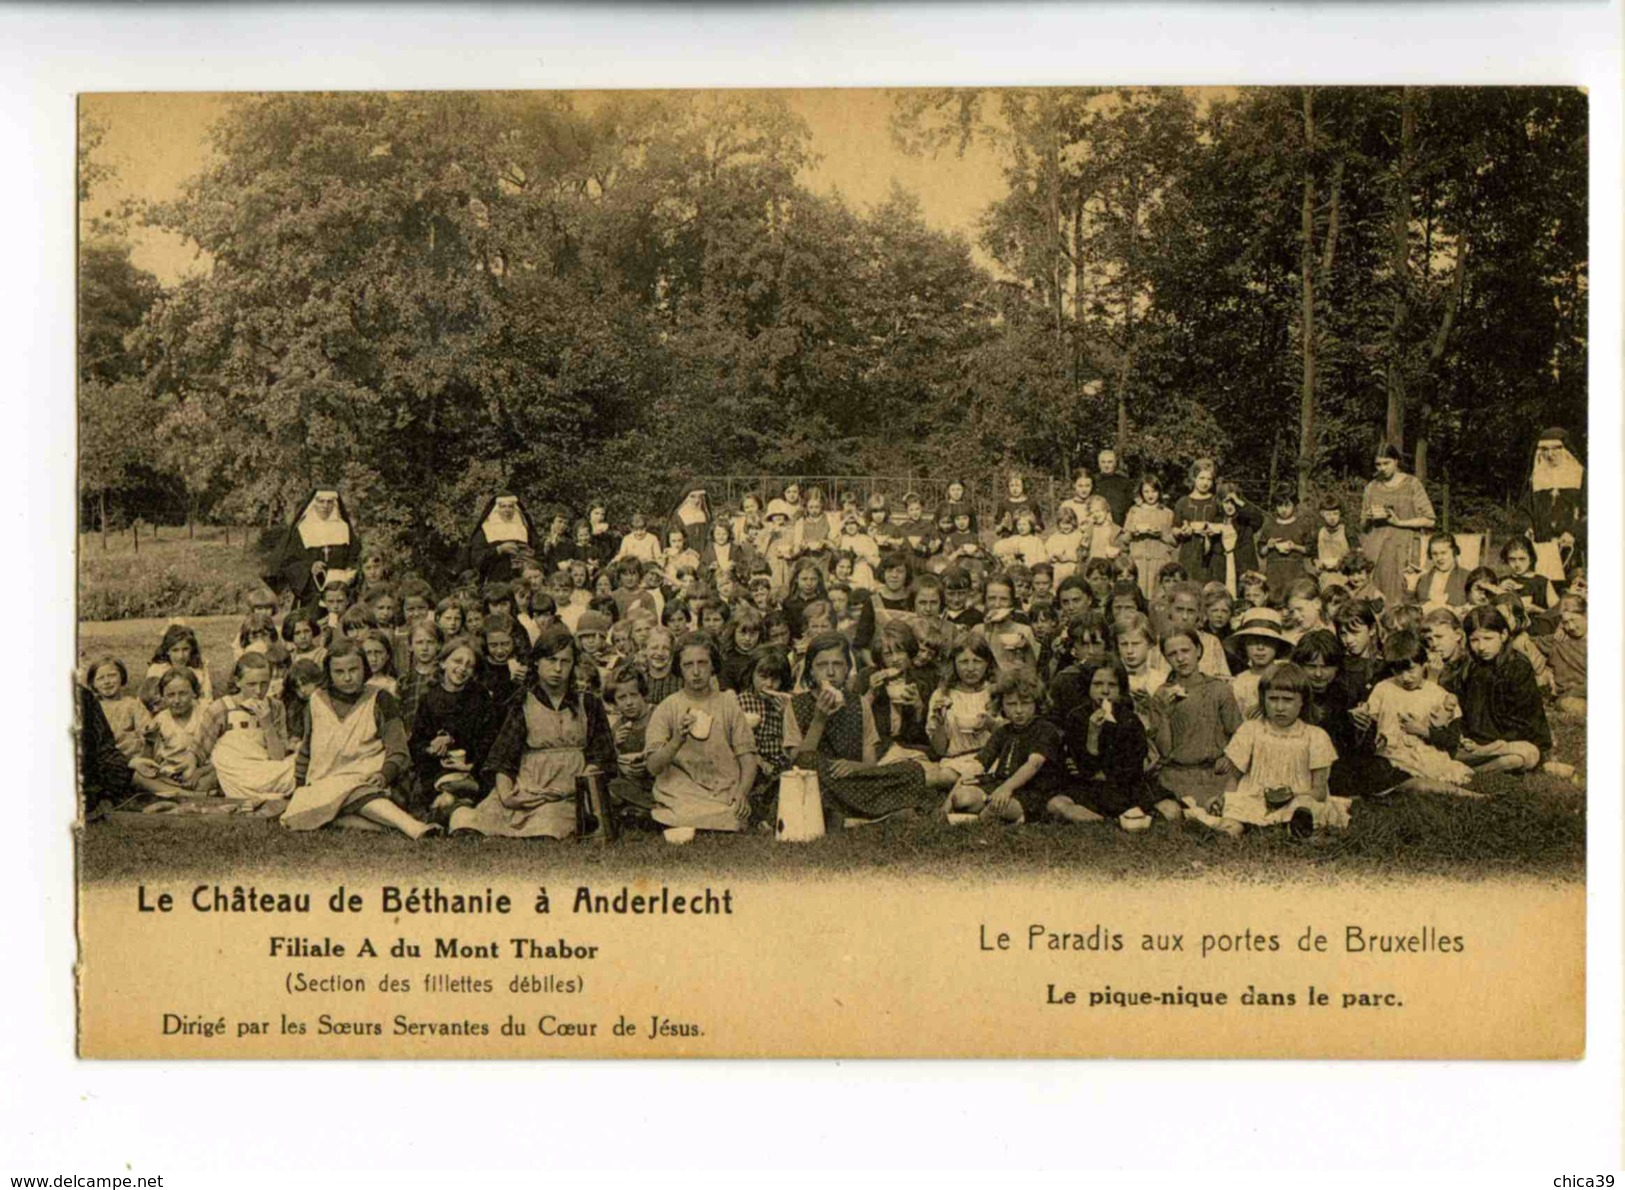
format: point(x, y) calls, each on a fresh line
point(985, 493)
point(982, 494)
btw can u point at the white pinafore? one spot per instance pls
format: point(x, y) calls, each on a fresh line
point(241, 761)
point(542, 801)
point(344, 753)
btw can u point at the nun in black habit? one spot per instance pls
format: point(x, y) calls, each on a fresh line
point(501, 536)
point(693, 516)
point(1553, 510)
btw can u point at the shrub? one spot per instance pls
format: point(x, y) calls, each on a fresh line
point(166, 578)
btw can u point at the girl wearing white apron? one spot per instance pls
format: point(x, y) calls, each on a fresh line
point(355, 751)
point(245, 736)
point(549, 739)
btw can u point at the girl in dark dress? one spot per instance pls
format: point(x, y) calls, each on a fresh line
point(899, 692)
point(1199, 525)
point(895, 575)
point(452, 729)
point(1361, 664)
point(1503, 720)
point(1238, 538)
point(832, 730)
point(605, 541)
point(1107, 744)
point(1335, 704)
point(504, 666)
point(806, 587)
point(1016, 501)
point(1536, 590)
point(1022, 765)
point(1288, 538)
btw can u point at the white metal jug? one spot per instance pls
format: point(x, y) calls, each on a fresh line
point(801, 809)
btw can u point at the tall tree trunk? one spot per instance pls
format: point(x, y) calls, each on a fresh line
point(1052, 164)
point(101, 499)
point(1126, 377)
point(1400, 267)
point(1077, 295)
point(1334, 221)
point(1306, 266)
point(1077, 262)
point(1441, 339)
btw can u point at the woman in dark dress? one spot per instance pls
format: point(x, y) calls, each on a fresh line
point(693, 516)
point(321, 541)
point(1554, 508)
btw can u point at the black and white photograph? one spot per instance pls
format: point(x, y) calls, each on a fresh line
point(1055, 482)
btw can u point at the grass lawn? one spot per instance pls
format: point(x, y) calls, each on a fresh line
point(1534, 829)
point(1533, 825)
point(208, 573)
point(133, 642)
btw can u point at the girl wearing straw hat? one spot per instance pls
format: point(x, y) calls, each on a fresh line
point(1262, 638)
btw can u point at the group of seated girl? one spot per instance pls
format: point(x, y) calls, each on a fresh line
point(916, 666)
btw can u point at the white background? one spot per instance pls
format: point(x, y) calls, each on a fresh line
point(60, 1115)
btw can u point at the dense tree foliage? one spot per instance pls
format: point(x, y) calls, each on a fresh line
point(420, 297)
point(118, 417)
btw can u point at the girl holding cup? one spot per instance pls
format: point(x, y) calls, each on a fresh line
point(1198, 523)
point(700, 749)
point(453, 723)
point(244, 736)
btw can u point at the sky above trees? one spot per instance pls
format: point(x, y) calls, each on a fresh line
point(424, 297)
point(154, 142)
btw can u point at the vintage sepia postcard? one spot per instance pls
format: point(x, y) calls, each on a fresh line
point(1046, 572)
